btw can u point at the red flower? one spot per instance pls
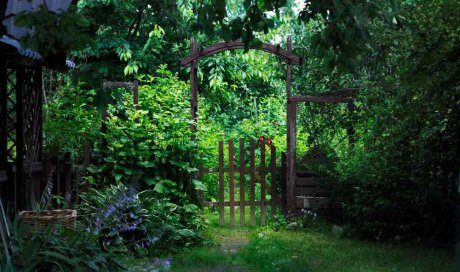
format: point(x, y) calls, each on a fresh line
point(261, 139)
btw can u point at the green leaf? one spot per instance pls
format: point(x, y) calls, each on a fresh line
point(160, 188)
point(59, 257)
point(199, 185)
point(191, 208)
point(186, 233)
point(128, 171)
point(150, 181)
point(118, 176)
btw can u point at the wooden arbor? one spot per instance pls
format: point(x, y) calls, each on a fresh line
point(289, 57)
point(21, 95)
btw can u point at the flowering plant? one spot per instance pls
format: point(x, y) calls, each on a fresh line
point(117, 217)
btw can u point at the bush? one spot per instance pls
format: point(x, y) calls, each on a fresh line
point(151, 145)
point(70, 121)
point(125, 221)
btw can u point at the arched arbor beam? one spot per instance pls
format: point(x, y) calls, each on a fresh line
point(216, 48)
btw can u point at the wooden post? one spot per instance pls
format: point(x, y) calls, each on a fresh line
point(242, 183)
point(20, 186)
point(273, 184)
point(290, 159)
point(86, 155)
point(136, 95)
point(283, 183)
point(350, 129)
point(252, 193)
point(262, 185)
point(291, 137)
point(221, 183)
point(105, 115)
point(58, 176)
point(67, 177)
point(194, 87)
point(86, 160)
point(231, 176)
point(48, 168)
point(3, 131)
point(3, 116)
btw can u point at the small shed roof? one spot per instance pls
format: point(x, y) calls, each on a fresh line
point(10, 41)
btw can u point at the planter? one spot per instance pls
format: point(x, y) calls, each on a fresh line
point(39, 220)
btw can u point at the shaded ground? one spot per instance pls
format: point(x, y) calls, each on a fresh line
point(315, 249)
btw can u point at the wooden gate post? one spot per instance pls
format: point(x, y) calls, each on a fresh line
point(350, 129)
point(291, 137)
point(136, 94)
point(194, 88)
point(273, 183)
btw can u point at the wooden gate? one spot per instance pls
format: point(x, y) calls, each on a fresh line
point(265, 186)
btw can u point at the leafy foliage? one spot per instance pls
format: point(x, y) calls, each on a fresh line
point(152, 144)
point(124, 220)
point(395, 181)
point(130, 38)
point(54, 33)
point(341, 28)
point(70, 120)
point(67, 250)
point(404, 169)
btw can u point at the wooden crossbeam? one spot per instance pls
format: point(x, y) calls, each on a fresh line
point(336, 96)
point(215, 170)
point(238, 203)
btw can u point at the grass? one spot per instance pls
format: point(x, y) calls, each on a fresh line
point(316, 249)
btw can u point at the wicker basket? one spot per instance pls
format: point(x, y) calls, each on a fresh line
point(39, 220)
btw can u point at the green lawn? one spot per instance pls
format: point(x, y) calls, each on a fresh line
point(264, 249)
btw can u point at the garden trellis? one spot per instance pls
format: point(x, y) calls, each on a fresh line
point(292, 177)
point(22, 167)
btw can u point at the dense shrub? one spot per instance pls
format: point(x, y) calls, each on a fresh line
point(151, 145)
point(149, 154)
point(70, 120)
point(400, 180)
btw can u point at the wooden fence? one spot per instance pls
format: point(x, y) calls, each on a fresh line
point(257, 174)
point(65, 178)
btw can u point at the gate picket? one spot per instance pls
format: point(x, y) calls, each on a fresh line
point(252, 185)
point(231, 176)
point(221, 183)
point(257, 174)
point(262, 185)
point(242, 183)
